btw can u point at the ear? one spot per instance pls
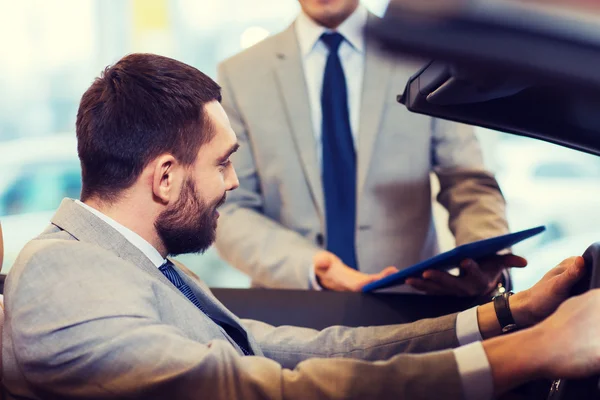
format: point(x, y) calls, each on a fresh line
point(167, 175)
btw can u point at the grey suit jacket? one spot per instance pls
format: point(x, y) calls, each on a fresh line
point(274, 223)
point(89, 316)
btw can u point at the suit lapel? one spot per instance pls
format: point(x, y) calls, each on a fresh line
point(86, 227)
point(376, 79)
point(292, 87)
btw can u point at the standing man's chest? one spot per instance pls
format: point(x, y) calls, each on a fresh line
point(376, 117)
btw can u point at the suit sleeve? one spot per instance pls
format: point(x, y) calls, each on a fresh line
point(470, 193)
point(272, 255)
point(90, 336)
point(290, 345)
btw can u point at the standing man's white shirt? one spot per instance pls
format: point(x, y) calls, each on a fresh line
point(133, 238)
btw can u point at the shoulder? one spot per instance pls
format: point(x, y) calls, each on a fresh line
point(60, 249)
point(59, 262)
point(257, 57)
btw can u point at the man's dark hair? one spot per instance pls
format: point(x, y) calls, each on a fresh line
point(143, 106)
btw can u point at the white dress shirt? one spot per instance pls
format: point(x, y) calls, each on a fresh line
point(132, 237)
point(473, 365)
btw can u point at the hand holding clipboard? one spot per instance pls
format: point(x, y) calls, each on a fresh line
point(450, 259)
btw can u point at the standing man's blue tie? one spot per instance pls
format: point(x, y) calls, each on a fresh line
point(339, 157)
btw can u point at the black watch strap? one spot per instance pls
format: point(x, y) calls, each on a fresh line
point(502, 308)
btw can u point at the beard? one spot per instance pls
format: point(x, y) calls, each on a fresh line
point(189, 225)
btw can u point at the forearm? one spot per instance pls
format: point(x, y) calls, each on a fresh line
point(514, 359)
point(476, 207)
point(292, 345)
point(272, 255)
point(406, 376)
point(511, 360)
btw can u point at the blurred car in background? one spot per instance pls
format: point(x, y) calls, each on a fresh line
point(546, 184)
point(37, 173)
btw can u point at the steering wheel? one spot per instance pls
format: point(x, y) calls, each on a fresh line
point(588, 388)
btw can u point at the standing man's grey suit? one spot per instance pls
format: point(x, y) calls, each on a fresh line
point(273, 225)
point(118, 328)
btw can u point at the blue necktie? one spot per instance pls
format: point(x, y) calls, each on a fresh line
point(236, 334)
point(339, 158)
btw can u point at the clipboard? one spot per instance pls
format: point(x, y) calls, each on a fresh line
point(450, 259)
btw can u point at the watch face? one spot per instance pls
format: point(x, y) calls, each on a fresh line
point(509, 328)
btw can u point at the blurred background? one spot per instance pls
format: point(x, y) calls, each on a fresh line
point(52, 50)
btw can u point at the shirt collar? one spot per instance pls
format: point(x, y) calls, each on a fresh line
point(308, 31)
point(135, 239)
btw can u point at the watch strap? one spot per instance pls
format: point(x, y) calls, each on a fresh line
point(502, 308)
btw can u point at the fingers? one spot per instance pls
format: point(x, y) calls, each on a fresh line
point(362, 279)
point(513, 261)
point(502, 261)
point(430, 287)
point(575, 266)
point(323, 259)
point(450, 284)
point(471, 283)
point(387, 272)
point(572, 271)
point(339, 277)
point(575, 263)
point(349, 279)
point(474, 281)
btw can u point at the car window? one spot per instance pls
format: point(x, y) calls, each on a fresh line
point(40, 188)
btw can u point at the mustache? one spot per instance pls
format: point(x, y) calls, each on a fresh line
point(222, 201)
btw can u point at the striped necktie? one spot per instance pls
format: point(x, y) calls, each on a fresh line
point(234, 333)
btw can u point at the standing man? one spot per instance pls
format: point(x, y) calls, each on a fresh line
point(335, 174)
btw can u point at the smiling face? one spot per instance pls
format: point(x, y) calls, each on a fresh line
point(189, 224)
point(329, 13)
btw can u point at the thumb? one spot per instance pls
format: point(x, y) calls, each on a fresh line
point(511, 260)
point(572, 274)
point(386, 272)
point(322, 260)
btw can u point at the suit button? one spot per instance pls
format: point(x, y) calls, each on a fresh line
point(320, 239)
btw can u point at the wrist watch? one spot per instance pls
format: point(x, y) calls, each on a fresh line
point(498, 290)
point(502, 308)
